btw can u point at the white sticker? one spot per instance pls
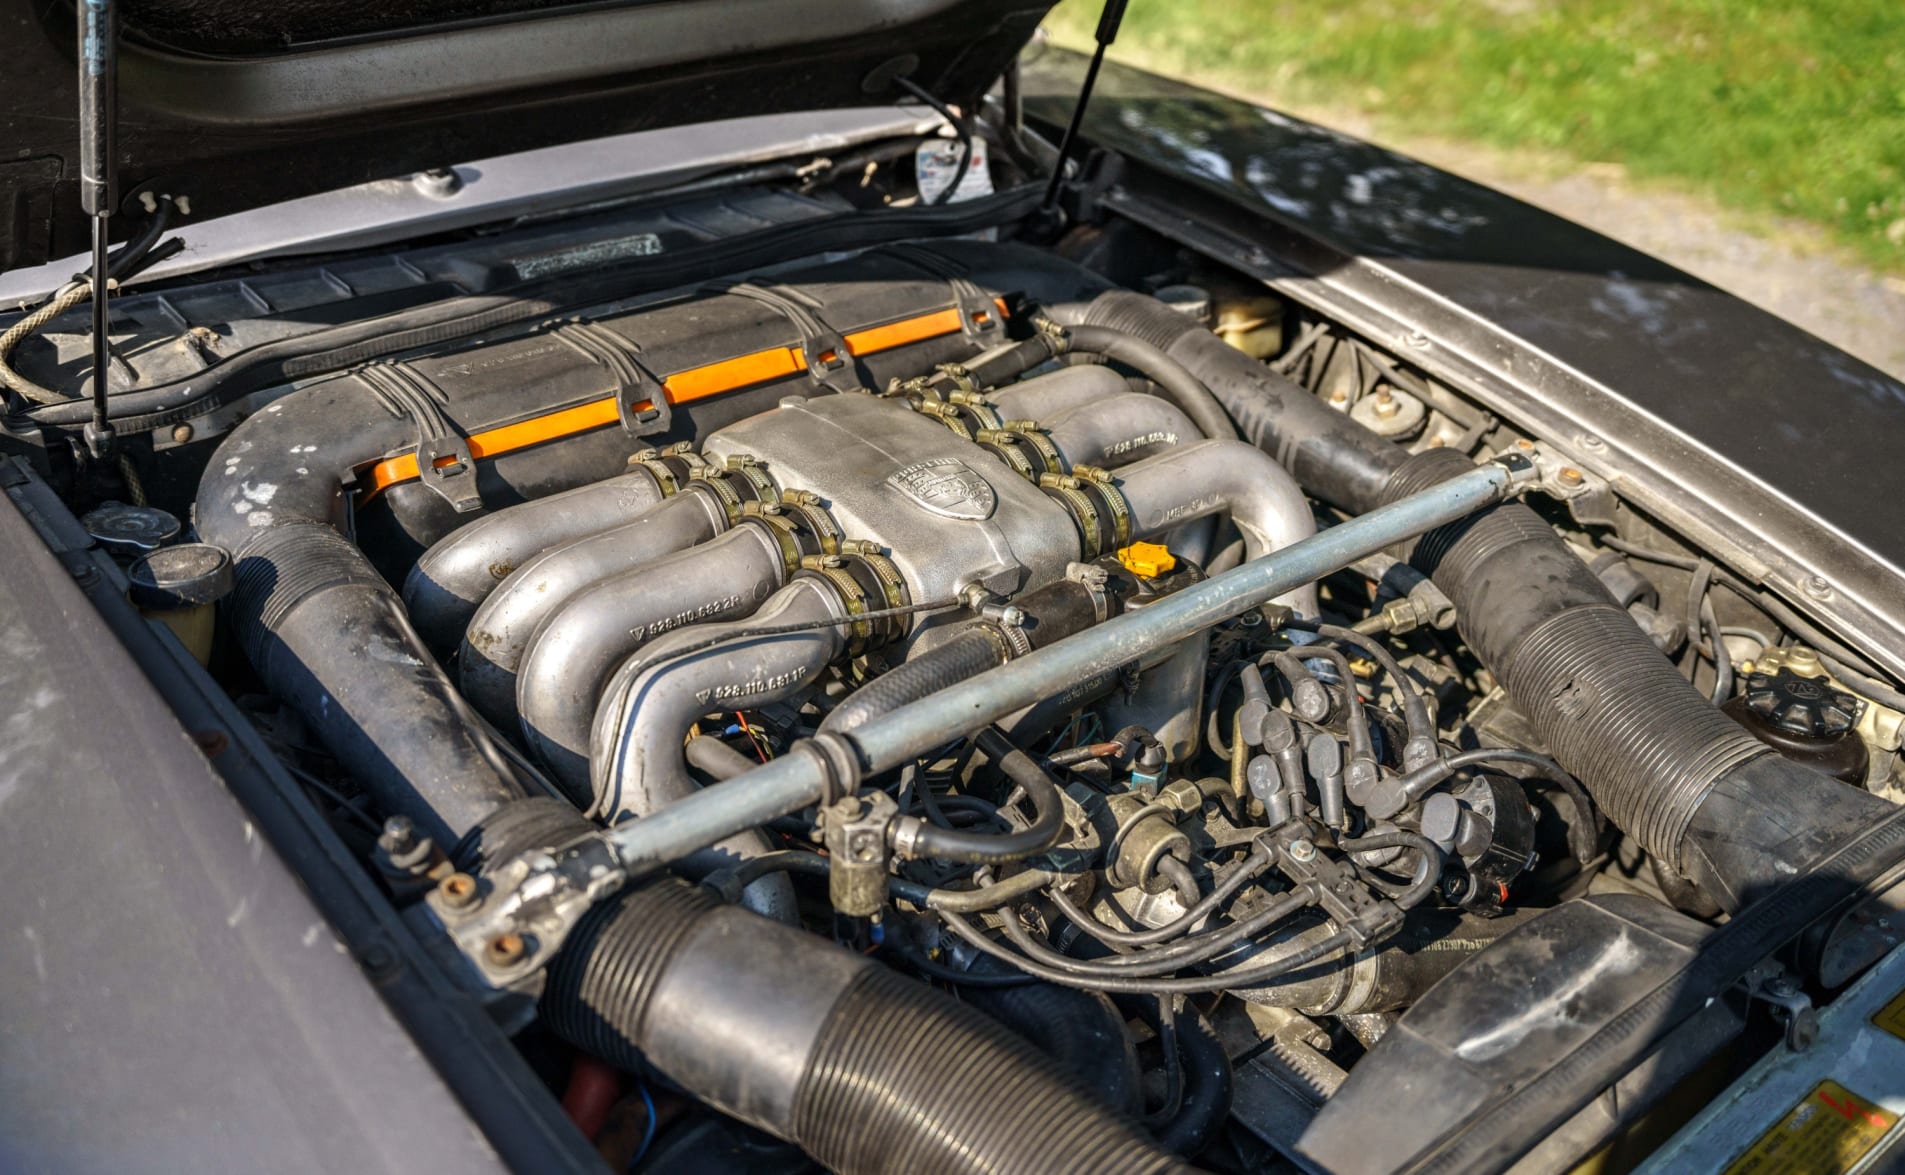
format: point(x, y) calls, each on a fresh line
point(936, 161)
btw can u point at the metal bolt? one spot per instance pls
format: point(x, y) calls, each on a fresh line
point(1817, 587)
point(1782, 985)
point(1302, 851)
point(1386, 403)
point(1803, 1033)
point(1592, 442)
point(1338, 396)
point(181, 433)
point(438, 181)
point(505, 950)
point(399, 836)
point(458, 891)
point(1525, 445)
point(1416, 338)
point(1570, 477)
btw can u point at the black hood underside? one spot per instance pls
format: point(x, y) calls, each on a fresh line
point(238, 105)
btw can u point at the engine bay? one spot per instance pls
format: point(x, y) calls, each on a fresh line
point(489, 589)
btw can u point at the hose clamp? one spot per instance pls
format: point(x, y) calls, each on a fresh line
point(975, 406)
point(1005, 445)
point(817, 526)
point(1116, 508)
point(866, 581)
point(947, 414)
point(959, 377)
point(839, 760)
point(715, 481)
point(1017, 641)
point(752, 479)
point(1040, 442)
point(671, 467)
point(779, 527)
point(832, 569)
point(1065, 490)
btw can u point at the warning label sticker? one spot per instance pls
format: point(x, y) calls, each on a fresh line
point(1828, 1132)
point(1892, 1016)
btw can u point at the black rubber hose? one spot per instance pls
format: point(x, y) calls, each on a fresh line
point(865, 1069)
point(1208, 1081)
point(980, 848)
point(718, 759)
point(1686, 782)
point(1173, 379)
point(1334, 457)
point(1007, 364)
point(975, 649)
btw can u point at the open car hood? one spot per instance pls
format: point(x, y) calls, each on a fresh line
point(237, 105)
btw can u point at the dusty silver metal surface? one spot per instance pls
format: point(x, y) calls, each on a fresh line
point(950, 513)
point(1841, 1098)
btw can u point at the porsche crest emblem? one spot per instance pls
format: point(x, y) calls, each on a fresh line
point(948, 487)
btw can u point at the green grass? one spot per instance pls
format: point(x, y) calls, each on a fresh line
point(1794, 108)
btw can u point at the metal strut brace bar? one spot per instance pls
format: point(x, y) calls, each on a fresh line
point(540, 895)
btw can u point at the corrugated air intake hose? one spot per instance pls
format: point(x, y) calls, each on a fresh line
point(864, 1068)
point(867, 1070)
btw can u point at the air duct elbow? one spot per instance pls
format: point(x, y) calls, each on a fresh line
point(501, 631)
point(454, 577)
point(1222, 477)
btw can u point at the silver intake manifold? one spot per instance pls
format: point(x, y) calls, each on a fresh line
point(592, 622)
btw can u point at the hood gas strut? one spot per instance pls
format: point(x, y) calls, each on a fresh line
point(1108, 21)
point(98, 83)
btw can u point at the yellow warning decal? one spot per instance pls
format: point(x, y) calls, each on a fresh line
point(1892, 1016)
point(1828, 1132)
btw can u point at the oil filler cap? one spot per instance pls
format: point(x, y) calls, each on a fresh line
point(1149, 560)
point(1798, 705)
point(1805, 719)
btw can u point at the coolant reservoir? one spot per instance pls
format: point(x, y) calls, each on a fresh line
point(1252, 323)
point(180, 585)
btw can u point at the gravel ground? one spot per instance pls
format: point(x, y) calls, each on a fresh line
point(1785, 266)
